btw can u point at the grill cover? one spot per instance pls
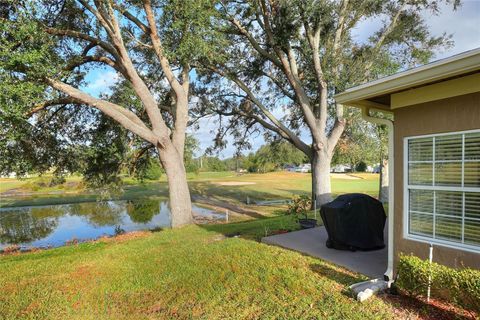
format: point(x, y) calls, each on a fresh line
point(354, 221)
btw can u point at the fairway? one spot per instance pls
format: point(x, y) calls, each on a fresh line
point(222, 186)
point(35, 214)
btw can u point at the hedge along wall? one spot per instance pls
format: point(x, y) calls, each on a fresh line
point(460, 286)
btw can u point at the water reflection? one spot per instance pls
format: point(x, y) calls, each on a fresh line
point(54, 225)
point(22, 226)
point(142, 211)
point(98, 213)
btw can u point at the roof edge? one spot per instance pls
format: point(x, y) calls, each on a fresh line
point(462, 63)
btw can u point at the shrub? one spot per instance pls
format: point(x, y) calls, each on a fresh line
point(300, 205)
point(361, 167)
point(460, 286)
point(57, 180)
point(153, 170)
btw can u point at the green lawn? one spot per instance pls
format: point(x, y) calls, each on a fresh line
point(275, 185)
point(217, 271)
point(192, 272)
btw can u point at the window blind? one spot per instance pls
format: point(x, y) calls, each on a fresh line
point(443, 188)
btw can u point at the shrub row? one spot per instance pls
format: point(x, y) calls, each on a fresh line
point(460, 286)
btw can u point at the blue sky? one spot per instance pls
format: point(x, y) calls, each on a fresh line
point(463, 24)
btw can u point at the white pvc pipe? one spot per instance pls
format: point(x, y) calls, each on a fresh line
point(388, 275)
point(430, 259)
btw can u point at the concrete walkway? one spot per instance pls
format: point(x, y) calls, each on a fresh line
point(312, 242)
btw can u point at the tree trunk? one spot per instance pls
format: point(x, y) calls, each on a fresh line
point(321, 188)
point(383, 192)
point(179, 194)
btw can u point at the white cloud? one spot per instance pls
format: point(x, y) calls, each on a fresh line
point(463, 24)
point(102, 82)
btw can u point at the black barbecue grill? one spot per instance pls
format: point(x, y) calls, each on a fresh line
point(354, 222)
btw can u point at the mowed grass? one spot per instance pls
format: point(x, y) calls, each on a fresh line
point(268, 186)
point(187, 273)
point(194, 272)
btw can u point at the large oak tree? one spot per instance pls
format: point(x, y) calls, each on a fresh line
point(47, 49)
point(288, 58)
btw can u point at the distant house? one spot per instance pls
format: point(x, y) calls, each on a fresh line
point(434, 153)
point(12, 175)
point(304, 168)
point(341, 168)
point(290, 168)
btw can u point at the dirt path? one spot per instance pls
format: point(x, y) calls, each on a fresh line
point(221, 206)
point(344, 176)
point(234, 183)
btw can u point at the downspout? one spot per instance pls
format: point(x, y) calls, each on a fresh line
point(388, 275)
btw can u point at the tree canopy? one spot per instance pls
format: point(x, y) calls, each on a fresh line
point(49, 47)
point(286, 60)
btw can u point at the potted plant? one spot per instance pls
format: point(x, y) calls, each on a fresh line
point(299, 206)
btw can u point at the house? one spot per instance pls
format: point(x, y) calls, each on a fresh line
point(290, 168)
point(433, 113)
point(304, 168)
point(341, 168)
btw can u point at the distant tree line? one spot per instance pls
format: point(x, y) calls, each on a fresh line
point(270, 157)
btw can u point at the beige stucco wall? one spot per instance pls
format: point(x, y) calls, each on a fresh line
point(447, 115)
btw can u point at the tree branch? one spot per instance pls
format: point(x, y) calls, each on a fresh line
point(340, 26)
point(292, 136)
point(279, 85)
point(86, 59)
point(383, 36)
point(126, 64)
point(78, 35)
point(98, 14)
point(337, 129)
point(132, 18)
point(46, 104)
point(254, 43)
point(157, 46)
point(125, 117)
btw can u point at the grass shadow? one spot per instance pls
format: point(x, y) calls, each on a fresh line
point(255, 229)
point(239, 193)
point(339, 275)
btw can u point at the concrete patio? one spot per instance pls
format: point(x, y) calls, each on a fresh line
point(312, 242)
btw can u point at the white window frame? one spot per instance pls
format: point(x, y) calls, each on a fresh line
point(407, 187)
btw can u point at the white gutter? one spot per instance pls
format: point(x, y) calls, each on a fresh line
point(388, 275)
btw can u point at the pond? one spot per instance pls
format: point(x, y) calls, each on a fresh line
point(54, 225)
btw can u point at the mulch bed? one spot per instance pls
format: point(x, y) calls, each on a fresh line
point(418, 308)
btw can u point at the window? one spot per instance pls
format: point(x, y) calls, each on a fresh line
point(442, 189)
